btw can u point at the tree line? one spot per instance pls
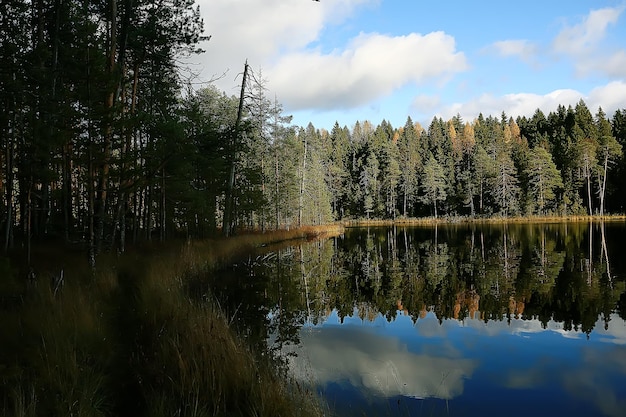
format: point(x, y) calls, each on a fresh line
point(103, 141)
point(569, 162)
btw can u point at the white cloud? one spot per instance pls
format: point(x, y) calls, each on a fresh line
point(613, 65)
point(519, 104)
point(426, 104)
point(372, 66)
point(610, 97)
point(580, 38)
point(260, 30)
point(280, 38)
point(581, 43)
point(520, 48)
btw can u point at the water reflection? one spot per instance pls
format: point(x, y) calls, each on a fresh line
point(461, 320)
point(378, 364)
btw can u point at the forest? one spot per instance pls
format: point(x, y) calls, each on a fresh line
point(109, 140)
point(105, 140)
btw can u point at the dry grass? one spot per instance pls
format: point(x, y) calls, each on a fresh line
point(127, 339)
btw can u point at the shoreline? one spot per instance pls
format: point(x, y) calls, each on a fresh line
point(431, 221)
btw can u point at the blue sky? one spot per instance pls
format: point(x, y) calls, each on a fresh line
point(349, 60)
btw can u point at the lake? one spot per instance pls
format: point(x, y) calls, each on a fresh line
point(455, 320)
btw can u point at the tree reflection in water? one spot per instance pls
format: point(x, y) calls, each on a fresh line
point(563, 277)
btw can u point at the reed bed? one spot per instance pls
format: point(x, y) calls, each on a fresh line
point(127, 339)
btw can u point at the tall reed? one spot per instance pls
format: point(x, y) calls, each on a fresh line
point(128, 339)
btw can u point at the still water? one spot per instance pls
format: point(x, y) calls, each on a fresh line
point(445, 321)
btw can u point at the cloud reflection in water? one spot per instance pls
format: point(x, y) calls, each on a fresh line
point(433, 359)
point(378, 364)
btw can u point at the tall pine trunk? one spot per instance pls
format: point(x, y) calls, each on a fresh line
point(9, 192)
point(277, 190)
point(228, 223)
point(302, 183)
point(603, 185)
point(107, 137)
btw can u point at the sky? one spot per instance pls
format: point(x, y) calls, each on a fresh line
point(353, 60)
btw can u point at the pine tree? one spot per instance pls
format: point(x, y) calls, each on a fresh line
point(390, 172)
point(505, 185)
point(339, 174)
point(484, 172)
point(433, 183)
point(609, 150)
point(618, 125)
point(544, 179)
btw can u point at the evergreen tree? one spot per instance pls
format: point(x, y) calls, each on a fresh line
point(482, 177)
point(585, 151)
point(370, 185)
point(465, 167)
point(390, 172)
point(505, 185)
point(339, 171)
point(433, 183)
point(618, 125)
point(609, 150)
point(410, 162)
point(315, 199)
point(544, 180)
point(208, 118)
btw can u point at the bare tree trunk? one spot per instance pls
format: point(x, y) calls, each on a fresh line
point(277, 190)
point(9, 193)
point(603, 185)
point(124, 181)
point(404, 202)
point(163, 205)
point(103, 178)
point(147, 201)
point(588, 175)
point(229, 209)
point(138, 192)
point(91, 239)
point(480, 202)
point(29, 219)
point(66, 189)
point(263, 190)
point(302, 179)
point(91, 244)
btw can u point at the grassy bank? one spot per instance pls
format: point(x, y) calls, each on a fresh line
point(128, 340)
point(428, 221)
